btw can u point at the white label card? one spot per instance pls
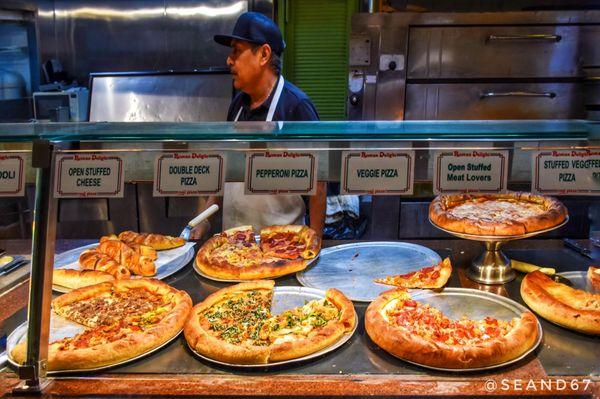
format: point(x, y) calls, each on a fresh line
point(566, 172)
point(281, 172)
point(93, 175)
point(377, 172)
point(12, 175)
point(188, 174)
point(470, 171)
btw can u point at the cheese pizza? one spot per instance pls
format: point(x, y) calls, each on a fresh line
point(122, 319)
point(422, 334)
point(235, 255)
point(514, 213)
point(235, 325)
point(569, 307)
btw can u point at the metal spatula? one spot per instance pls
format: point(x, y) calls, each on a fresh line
point(185, 234)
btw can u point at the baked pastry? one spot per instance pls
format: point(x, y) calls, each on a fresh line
point(91, 259)
point(429, 277)
point(569, 307)
point(72, 278)
point(157, 241)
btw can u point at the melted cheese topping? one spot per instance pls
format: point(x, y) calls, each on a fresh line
point(300, 322)
point(496, 210)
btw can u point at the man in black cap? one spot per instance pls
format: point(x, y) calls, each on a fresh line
point(255, 63)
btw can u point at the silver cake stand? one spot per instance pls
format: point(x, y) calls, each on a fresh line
point(492, 266)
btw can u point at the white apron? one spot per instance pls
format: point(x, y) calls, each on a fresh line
point(261, 210)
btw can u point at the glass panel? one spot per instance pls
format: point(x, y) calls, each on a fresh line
point(319, 131)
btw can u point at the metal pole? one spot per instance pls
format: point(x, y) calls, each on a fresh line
point(40, 281)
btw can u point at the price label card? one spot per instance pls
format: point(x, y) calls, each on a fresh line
point(93, 175)
point(377, 172)
point(566, 172)
point(187, 174)
point(281, 172)
point(470, 171)
point(12, 175)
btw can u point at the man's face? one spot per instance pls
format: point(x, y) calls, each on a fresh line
point(245, 65)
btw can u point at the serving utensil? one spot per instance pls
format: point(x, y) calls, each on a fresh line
point(185, 234)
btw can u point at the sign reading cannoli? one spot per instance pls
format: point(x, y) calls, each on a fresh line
point(377, 172)
point(483, 171)
point(281, 172)
point(12, 175)
point(188, 174)
point(93, 175)
point(566, 172)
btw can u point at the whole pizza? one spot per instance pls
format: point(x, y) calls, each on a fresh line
point(235, 255)
point(235, 325)
point(513, 213)
point(422, 334)
point(571, 308)
point(122, 319)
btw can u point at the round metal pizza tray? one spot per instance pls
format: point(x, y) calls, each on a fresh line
point(476, 237)
point(20, 333)
point(580, 281)
point(285, 298)
point(476, 305)
point(169, 261)
point(197, 270)
point(352, 268)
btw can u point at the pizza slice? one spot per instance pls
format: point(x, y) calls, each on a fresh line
point(307, 329)
point(423, 334)
point(430, 277)
point(122, 318)
point(290, 242)
point(594, 277)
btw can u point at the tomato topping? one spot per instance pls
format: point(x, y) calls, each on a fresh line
point(435, 274)
point(410, 303)
point(491, 321)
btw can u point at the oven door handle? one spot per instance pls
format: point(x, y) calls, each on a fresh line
point(493, 94)
point(524, 38)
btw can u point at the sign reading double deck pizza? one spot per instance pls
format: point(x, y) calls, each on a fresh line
point(566, 172)
point(377, 172)
point(189, 174)
point(12, 175)
point(281, 172)
point(92, 175)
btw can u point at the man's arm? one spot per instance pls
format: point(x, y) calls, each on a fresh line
point(317, 205)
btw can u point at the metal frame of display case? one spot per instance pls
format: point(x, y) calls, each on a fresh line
point(48, 137)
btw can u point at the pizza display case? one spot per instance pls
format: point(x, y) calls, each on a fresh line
point(563, 362)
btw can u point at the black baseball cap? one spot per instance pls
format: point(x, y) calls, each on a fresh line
point(255, 27)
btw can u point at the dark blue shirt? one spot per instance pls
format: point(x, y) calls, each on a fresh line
point(293, 105)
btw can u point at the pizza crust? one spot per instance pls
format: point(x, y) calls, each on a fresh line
point(571, 308)
point(440, 213)
point(594, 277)
point(134, 344)
point(412, 347)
